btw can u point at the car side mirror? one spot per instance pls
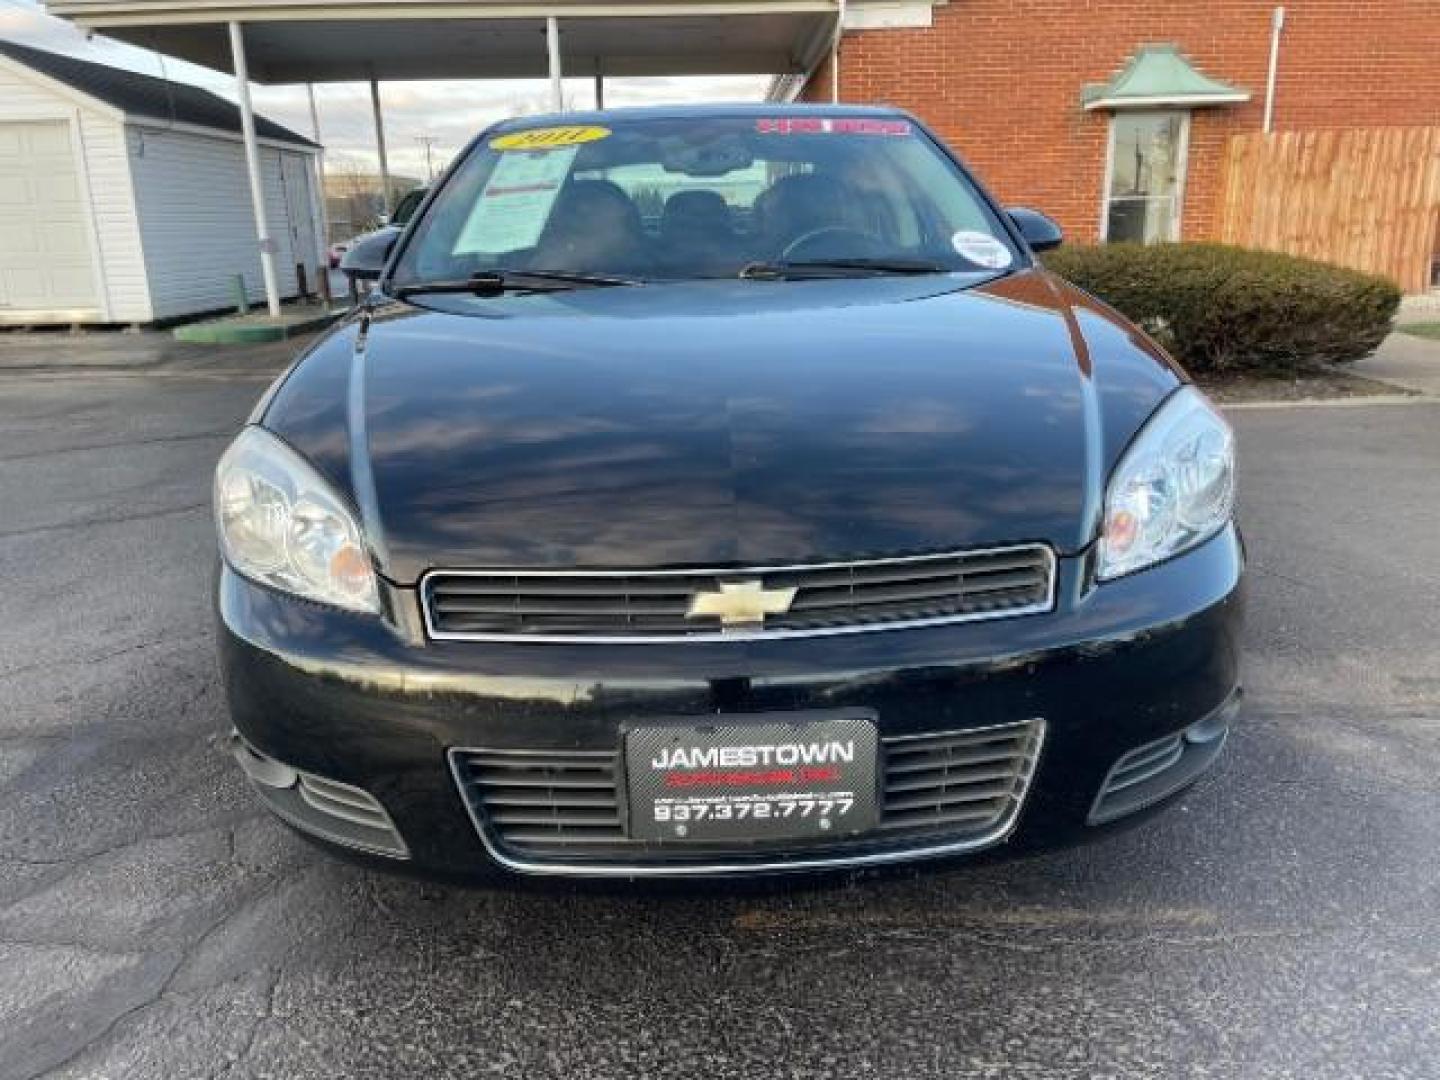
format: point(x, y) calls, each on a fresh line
point(366, 260)
point(1039, 230)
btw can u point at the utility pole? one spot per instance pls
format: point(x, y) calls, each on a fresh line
point(428, 141)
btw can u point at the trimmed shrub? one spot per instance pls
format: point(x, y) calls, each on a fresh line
point(1218, 308)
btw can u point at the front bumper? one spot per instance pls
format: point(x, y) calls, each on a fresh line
point(1112, 673)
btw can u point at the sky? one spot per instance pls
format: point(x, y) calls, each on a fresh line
point(449, 111)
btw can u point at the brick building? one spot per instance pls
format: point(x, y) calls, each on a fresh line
point(1060, 104)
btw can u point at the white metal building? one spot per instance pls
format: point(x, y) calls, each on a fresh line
point(124, 198)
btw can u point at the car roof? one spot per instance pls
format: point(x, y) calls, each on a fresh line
point(722, 110)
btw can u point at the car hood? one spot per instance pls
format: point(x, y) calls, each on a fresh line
point(724, 423)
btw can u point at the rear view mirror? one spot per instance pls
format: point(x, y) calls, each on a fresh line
point(1039, 230)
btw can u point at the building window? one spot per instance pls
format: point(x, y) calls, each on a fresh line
point(1145, 176)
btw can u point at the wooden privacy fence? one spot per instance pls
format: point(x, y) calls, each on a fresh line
point(1366, 198)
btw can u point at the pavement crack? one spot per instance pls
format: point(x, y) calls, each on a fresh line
point(1265, 571)
point(163, 990)
point(51, 944)
point(115, 1022)
point(74, 862)
point(267, 1013)
point(96, 658)
point(121, 444)
point(21, 860)
point(116, 519)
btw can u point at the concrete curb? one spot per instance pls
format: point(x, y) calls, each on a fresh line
point(1357, 402)
point(241, 331)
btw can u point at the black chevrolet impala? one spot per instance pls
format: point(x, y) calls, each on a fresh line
point(724, 490)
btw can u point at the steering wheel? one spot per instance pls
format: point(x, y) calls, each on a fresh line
point(867, 243)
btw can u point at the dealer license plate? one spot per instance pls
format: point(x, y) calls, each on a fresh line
point(763, 778)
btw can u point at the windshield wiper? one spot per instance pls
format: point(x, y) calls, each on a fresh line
point(495, 282)
point(781, 269)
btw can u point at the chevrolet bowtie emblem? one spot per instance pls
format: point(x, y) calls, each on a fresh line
point(740, 603)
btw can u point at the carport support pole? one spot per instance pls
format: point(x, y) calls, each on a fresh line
point(380, 148)
point(319, 211)
point(552, 47)
point(599, 86)
point(252, 165)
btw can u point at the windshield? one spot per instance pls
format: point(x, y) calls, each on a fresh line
point(706, 197)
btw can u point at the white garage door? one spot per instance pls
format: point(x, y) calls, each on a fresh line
point(45, 256)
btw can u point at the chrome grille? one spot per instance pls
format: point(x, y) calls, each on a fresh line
point(564, 808)
point(640, 605)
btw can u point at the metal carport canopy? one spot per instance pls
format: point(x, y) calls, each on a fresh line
point(291, 42)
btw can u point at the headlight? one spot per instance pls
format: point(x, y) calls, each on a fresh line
point(281, 525)
point(1173, 489)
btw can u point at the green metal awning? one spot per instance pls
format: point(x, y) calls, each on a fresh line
point(1158, 76)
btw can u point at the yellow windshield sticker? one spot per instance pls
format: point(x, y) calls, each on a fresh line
point(548, 138)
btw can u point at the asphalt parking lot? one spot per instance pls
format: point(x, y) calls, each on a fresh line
point(1279, 921)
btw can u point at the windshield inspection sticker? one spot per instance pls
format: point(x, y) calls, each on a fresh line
point(982, 249)
point(548, 138)
point(512, 210)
